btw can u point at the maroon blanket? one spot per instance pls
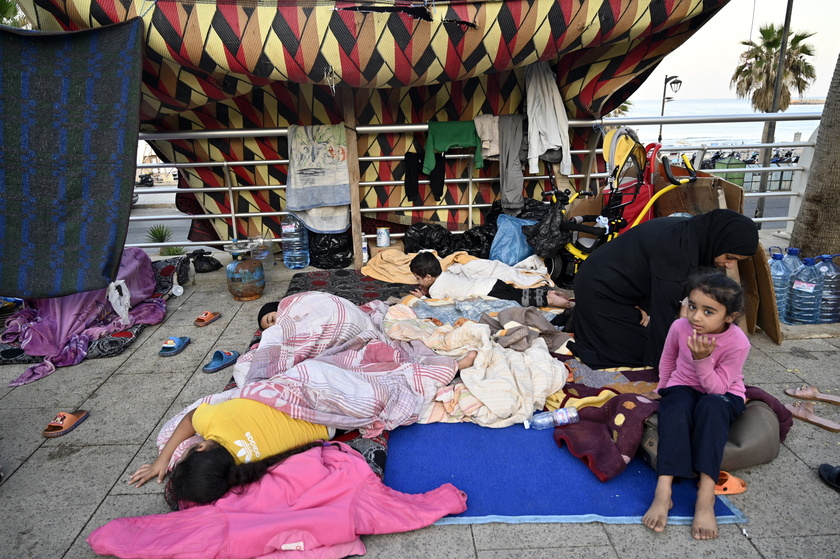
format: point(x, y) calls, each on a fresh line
point(607, 437)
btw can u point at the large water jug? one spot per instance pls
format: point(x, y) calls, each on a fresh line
point(792, 259)
point(805, 295)
point(830, 307)
point(780, 274)
point(295, 239)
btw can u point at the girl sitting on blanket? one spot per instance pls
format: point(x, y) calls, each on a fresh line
point(700, 392)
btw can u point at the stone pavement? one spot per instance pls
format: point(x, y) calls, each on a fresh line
point(56, 491)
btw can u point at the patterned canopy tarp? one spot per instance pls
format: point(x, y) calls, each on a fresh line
point(253, 64)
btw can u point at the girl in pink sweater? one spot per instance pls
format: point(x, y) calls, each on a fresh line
point(701, 386)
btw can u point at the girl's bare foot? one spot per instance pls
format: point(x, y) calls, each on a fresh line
point(557, 299)
point(704, 525)
point(467, 361)
point(656, 517)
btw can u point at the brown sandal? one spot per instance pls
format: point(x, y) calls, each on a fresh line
point(805, 412)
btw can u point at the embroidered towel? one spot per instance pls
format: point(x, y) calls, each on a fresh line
point(318, 186)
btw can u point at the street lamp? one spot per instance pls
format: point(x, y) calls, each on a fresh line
point(675, 86)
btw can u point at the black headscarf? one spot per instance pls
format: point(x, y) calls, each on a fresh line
point(694, 243)
point(267, 308)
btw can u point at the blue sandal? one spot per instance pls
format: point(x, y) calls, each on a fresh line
point(173, 346)
point(221, 360)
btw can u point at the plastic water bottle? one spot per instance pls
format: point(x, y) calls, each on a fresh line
point(830, 306)
point(295, 239)
point(792, 259)
point(555, 418)
point(805, 295)
point(780, 274)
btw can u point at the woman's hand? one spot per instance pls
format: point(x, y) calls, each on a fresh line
point(651, 395)
point(701, 346)
point(645, 317)
point(147, 472)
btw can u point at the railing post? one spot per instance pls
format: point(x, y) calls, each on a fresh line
point(229, 186)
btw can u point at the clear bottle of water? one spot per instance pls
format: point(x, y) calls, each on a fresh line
point(780, 274)
point(805, 295)
point(830, 306)
point(295, 239)
point(554, 418)
point(792, 259)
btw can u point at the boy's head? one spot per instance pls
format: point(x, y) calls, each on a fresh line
point(425, 267)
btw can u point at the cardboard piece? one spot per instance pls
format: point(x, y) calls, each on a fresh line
point(708, 193)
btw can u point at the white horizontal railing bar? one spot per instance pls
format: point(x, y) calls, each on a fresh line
point(737, 147)
point(772, 194)
point(716, 119)
point(413, 128)
point(754, 170)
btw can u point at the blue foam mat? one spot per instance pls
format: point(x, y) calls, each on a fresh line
point(514, 475)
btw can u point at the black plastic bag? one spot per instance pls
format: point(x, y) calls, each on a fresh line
point(203, 262)
point(548, 236)
point(475, 241)
point(534, 210)
point(428, 236)
point(330, 251)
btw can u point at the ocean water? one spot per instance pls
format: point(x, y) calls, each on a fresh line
point(710, 134)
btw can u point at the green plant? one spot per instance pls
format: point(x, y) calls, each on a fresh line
point(161, 233)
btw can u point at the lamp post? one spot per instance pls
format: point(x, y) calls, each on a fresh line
point(675, 86)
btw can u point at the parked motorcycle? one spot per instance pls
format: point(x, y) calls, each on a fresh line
point(710, 162)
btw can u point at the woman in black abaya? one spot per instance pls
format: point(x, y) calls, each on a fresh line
point(628, 292)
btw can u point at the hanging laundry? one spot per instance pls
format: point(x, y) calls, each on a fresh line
point(318, 186)
point(446, 135)
point(548, 125)
point(487, 127)
point(510, 166)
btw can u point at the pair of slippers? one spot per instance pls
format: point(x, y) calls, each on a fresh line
point(805, 411)
point(64, 422)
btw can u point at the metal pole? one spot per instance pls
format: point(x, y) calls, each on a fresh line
point(662, 111)
point(774, 108)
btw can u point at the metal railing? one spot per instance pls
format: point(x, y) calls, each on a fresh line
point(798, 173)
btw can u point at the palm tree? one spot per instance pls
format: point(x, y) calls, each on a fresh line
point(755, 76)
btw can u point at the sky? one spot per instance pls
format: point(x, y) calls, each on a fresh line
point(705, 62)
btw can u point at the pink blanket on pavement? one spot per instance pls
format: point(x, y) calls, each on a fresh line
point(313, 504)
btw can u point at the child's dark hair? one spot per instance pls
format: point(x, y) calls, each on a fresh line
point(425, 264)
point(721, 288)
point(203, 477)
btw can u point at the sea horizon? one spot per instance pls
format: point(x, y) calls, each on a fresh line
point(711, 134)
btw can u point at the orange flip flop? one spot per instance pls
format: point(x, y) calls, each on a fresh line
point(207, 317)
point(64, 423)
point(729, 485)
point(805, 412)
